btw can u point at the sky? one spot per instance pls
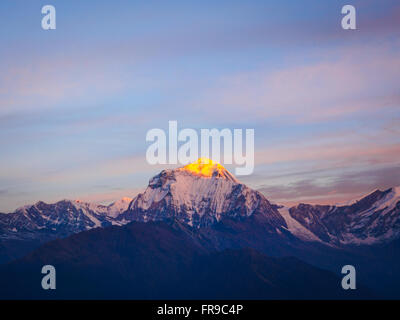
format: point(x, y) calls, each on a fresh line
point(76, 102)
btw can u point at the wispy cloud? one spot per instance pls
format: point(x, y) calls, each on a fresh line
point(340, 83)
point(342, 188)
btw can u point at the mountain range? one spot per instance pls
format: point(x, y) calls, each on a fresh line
point(188, 224)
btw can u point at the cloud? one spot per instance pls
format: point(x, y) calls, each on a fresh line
point(47, 82)
point(344, 82)
point(342, 188)
point(109, 196)
point(333, 152)
point(331, 167)
point(100, 181)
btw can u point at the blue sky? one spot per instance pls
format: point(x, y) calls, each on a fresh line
point(76, 102)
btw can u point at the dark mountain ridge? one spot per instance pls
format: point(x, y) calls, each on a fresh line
point(163, 260)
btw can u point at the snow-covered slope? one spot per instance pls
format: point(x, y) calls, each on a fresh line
point(199, 194)
point(61, 218)
point(118, 207)
point(370, 220)
point(295, 227)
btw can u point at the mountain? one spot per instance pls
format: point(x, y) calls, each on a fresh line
point(61, 218)
point(118, 207)
point(217, 216)
point(31, 225)
point(371, 220)
point(163, 260)
point(199, 194)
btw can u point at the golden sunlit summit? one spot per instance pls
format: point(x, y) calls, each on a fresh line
point(208, 168)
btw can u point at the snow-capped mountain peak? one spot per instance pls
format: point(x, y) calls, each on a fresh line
point(62, 218)
point(388, 202)
point(118, 207)
point(375, 218)
point(197, 194)
point(207, 168)
point(203, 193)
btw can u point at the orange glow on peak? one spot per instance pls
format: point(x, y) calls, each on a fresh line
point(204, 167)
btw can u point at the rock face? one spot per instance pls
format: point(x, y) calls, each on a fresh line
point(373, 219)
point(199, 194)
point(59, 219)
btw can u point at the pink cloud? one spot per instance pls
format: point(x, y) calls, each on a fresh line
point(334, 152)
point(342, 82)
